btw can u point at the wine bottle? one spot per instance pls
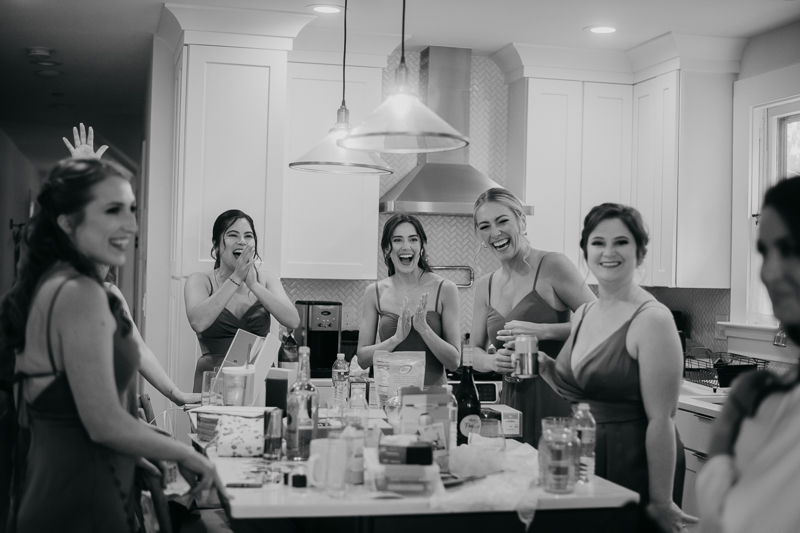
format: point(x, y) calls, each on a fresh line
point(469, 406)
point(302, 411)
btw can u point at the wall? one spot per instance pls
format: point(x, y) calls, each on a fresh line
point(19, 184)
point(451, 240)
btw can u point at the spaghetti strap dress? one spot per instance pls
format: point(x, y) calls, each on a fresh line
point(608, 380)
point(387, 326)
point(532, 397)
point(67, 482)
point(217, 338)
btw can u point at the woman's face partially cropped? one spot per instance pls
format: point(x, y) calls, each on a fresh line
point(780, 270)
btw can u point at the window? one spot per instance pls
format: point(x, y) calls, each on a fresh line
point(776, 157)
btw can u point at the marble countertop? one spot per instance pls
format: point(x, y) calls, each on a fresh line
point(280, 501)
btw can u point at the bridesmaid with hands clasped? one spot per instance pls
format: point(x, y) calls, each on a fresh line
point(532, 293)
point(396, 308)
point(235, 295)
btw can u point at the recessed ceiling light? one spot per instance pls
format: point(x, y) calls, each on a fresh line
point(324, 8)
point(600, 29)
point(47, 63)
point(48, 73)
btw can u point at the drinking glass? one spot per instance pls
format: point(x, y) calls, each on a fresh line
point(336, 464)
point(490, 435)
point(558, 452)
point(211, 393)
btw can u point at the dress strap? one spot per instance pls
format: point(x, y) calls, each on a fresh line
point(538, 268)
point(436, 307)
point(378, 297)
point(642, 308)
point(49, 320)
point(489, 301)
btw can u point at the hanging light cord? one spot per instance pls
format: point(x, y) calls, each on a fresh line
point(344, 53)
point(403, 37)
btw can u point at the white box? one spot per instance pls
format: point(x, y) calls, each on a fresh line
point(511, 419)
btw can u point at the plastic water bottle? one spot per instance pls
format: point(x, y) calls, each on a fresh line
point(358, 413)
point(339, 375)
point(587, 428)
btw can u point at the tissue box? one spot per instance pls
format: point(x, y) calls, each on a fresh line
point(511, 419)
point(238, 436)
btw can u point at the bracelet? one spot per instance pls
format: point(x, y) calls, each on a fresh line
point(237, 284)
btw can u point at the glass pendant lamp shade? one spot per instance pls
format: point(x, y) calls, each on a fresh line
point(329, 157)
point(404, 125)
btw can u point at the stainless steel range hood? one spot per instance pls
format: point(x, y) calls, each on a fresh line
point(443, 183)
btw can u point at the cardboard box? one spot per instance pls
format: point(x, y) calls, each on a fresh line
point(511, 419)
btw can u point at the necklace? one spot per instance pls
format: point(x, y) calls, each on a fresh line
point(405, 290)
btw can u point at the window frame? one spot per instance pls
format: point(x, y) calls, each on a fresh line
point(768, 163)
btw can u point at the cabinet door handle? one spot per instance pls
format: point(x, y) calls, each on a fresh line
point(703, 417)
point(700, 455)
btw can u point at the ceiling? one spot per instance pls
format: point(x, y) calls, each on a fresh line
point(104, 46)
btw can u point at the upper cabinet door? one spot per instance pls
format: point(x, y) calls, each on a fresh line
point(655, 172)
point(231, 149)
point(330, 221)
point(545, 159)
point(606, 172)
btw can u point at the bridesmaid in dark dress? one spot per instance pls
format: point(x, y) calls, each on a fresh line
point(531, 293)
point(624, 358)
point(235, 295)
point(75, 360)
point(412, 309)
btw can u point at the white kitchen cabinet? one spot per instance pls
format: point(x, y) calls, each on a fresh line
point(606, 154)
point(682, 176)
point(230, 147)
point(695, 431)
point(330, 221)
point(569, 150)
point(544, 159)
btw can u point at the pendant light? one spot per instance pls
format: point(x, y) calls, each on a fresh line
point(403, 124)
point(327, 156)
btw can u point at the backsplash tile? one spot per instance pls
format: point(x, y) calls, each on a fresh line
point(701, 307)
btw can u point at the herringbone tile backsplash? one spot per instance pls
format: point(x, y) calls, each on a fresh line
point(451, 240)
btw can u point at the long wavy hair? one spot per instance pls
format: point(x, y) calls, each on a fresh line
point(67, 191)
point(386, 241)
point(221, 225)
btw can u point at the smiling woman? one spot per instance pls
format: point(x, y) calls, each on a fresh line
point(235, 295)
point(531, 293)
point(76, 358)
point(413, 309)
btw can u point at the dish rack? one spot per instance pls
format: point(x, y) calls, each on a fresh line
point(719, 370)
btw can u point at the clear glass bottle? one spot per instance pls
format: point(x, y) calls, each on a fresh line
point(586, 428)
point(452, 410)
point(339, 374)
point(302, 409)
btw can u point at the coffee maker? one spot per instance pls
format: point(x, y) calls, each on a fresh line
point(321, 330)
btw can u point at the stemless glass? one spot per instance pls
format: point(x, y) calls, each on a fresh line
point(490, 435)
point(560, 445)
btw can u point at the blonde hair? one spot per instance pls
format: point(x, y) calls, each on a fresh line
point(507, 199)
point(503, 197)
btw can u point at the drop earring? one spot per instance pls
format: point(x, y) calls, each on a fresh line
point(483, 245)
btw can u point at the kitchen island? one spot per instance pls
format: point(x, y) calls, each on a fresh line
point(599, 506)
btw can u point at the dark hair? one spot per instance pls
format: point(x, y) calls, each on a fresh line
point(784, 197)
point(628, 215)
point(65, 192)
point(221, 225)
point(388, 232)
